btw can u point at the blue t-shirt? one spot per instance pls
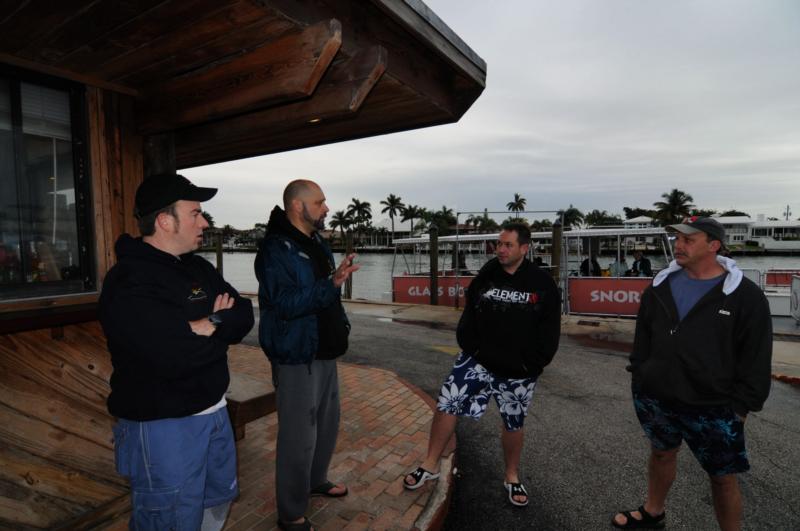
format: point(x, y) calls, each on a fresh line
point(687, 291)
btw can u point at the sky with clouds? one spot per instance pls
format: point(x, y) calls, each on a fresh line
point(598, 104)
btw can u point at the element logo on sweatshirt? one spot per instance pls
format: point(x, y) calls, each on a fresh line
point(512, 296)
point(197, 294)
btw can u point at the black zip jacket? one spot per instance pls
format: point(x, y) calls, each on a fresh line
point(511, 323)
point(720, 354)
point(161, 368)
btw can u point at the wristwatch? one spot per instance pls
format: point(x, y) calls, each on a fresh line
point(215, 319)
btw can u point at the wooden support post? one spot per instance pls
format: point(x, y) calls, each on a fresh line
point(159, 154)
point(434, 250)
point(555, 252)
point(218, 247)
point(348, 250)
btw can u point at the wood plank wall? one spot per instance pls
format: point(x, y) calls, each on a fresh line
point(56, 450)
point(116, 161)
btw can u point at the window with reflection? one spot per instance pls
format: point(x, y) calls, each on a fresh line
point(43, 194)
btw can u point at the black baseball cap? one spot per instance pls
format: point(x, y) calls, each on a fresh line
point(695, 224)
point(160, 191)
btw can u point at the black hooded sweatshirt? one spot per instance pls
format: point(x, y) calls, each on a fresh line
point(511, 323)
point(161, 368)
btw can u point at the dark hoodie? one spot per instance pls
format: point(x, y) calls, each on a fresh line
point(161, 368)
point(511, 323)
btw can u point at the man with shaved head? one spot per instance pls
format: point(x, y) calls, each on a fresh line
point(303, 329)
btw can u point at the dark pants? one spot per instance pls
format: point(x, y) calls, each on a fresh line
point(308, 424)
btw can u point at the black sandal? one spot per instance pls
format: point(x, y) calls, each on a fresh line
point(516, 489)
point(325, 490)
point(305, 525)
point(647, 521)
point(420, 476)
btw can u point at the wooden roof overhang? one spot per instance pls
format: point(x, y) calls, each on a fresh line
point(229, 79)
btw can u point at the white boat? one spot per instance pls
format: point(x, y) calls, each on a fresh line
point(604, 295)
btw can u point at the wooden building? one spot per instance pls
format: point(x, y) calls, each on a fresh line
point(96, 94)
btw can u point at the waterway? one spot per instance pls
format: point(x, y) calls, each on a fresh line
point(373, 280)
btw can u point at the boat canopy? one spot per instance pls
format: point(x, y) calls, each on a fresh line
point(582, 233)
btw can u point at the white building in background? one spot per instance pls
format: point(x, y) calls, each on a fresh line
point(737, 228)
point(776, 235)
point(640, 222)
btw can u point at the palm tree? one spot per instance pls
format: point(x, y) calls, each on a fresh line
point(517, 205)
point(676, 206)
point(473, 221)
point(361, 211)
point(410, 213)
point(572, 217)
point(394, 206)
point(341, 220)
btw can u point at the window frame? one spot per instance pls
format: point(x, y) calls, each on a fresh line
point(81, 168)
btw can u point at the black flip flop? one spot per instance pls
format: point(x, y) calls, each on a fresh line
point(325, 490)
point(305, 525)
point(516, 489)
point(420, 475)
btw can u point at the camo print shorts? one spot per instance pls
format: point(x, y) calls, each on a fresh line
point(715, 434)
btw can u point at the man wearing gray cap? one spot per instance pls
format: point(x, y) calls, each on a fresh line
point(701, 362)
point(169, 317)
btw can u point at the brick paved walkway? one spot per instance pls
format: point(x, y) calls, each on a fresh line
point(384, 433)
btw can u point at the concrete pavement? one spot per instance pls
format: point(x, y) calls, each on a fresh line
point(610, 332)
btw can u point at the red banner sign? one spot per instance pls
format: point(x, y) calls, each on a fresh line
point(417, 290)
point(606, 296)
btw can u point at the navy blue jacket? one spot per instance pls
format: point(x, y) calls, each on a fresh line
point(290, 296)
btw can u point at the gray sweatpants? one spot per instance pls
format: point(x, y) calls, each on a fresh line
point(308, 423)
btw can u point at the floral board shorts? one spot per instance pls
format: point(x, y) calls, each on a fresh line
point(467, 390)
point(715, 434)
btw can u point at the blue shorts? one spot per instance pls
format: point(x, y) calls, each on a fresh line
point(715, 434)
point(177, 468)
point(467, 390)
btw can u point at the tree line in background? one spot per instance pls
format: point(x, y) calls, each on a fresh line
point(357, 218)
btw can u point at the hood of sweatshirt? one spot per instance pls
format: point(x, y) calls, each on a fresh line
point(732, 279)
point(279, 225)
point(128, 247)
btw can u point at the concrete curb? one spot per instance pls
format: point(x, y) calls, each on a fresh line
point(791, 380)
point(433, 515)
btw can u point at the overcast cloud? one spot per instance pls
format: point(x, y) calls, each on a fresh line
point(598, 104)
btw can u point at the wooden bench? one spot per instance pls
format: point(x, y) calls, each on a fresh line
point(248, 399)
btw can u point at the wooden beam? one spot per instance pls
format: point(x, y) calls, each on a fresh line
point(91, 81)
point(284, 70)
point(391, 107)
point(413, 64)
point(339, 95)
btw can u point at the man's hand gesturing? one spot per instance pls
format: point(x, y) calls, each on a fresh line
point(344, 270)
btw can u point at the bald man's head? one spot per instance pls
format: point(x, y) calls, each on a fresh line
point(297, 189)
point(305, 206)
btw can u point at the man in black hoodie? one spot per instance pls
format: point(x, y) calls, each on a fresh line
point(701, 361)
point(169, 317)
point(508, 333)
point(302, 329)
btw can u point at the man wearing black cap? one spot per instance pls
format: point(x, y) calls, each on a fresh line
point(169, 317)
point(701, 362)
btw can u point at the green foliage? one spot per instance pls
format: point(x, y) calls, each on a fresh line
point(601, 217)
point(572, 217)
point(517, 205)
point(676, 205)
